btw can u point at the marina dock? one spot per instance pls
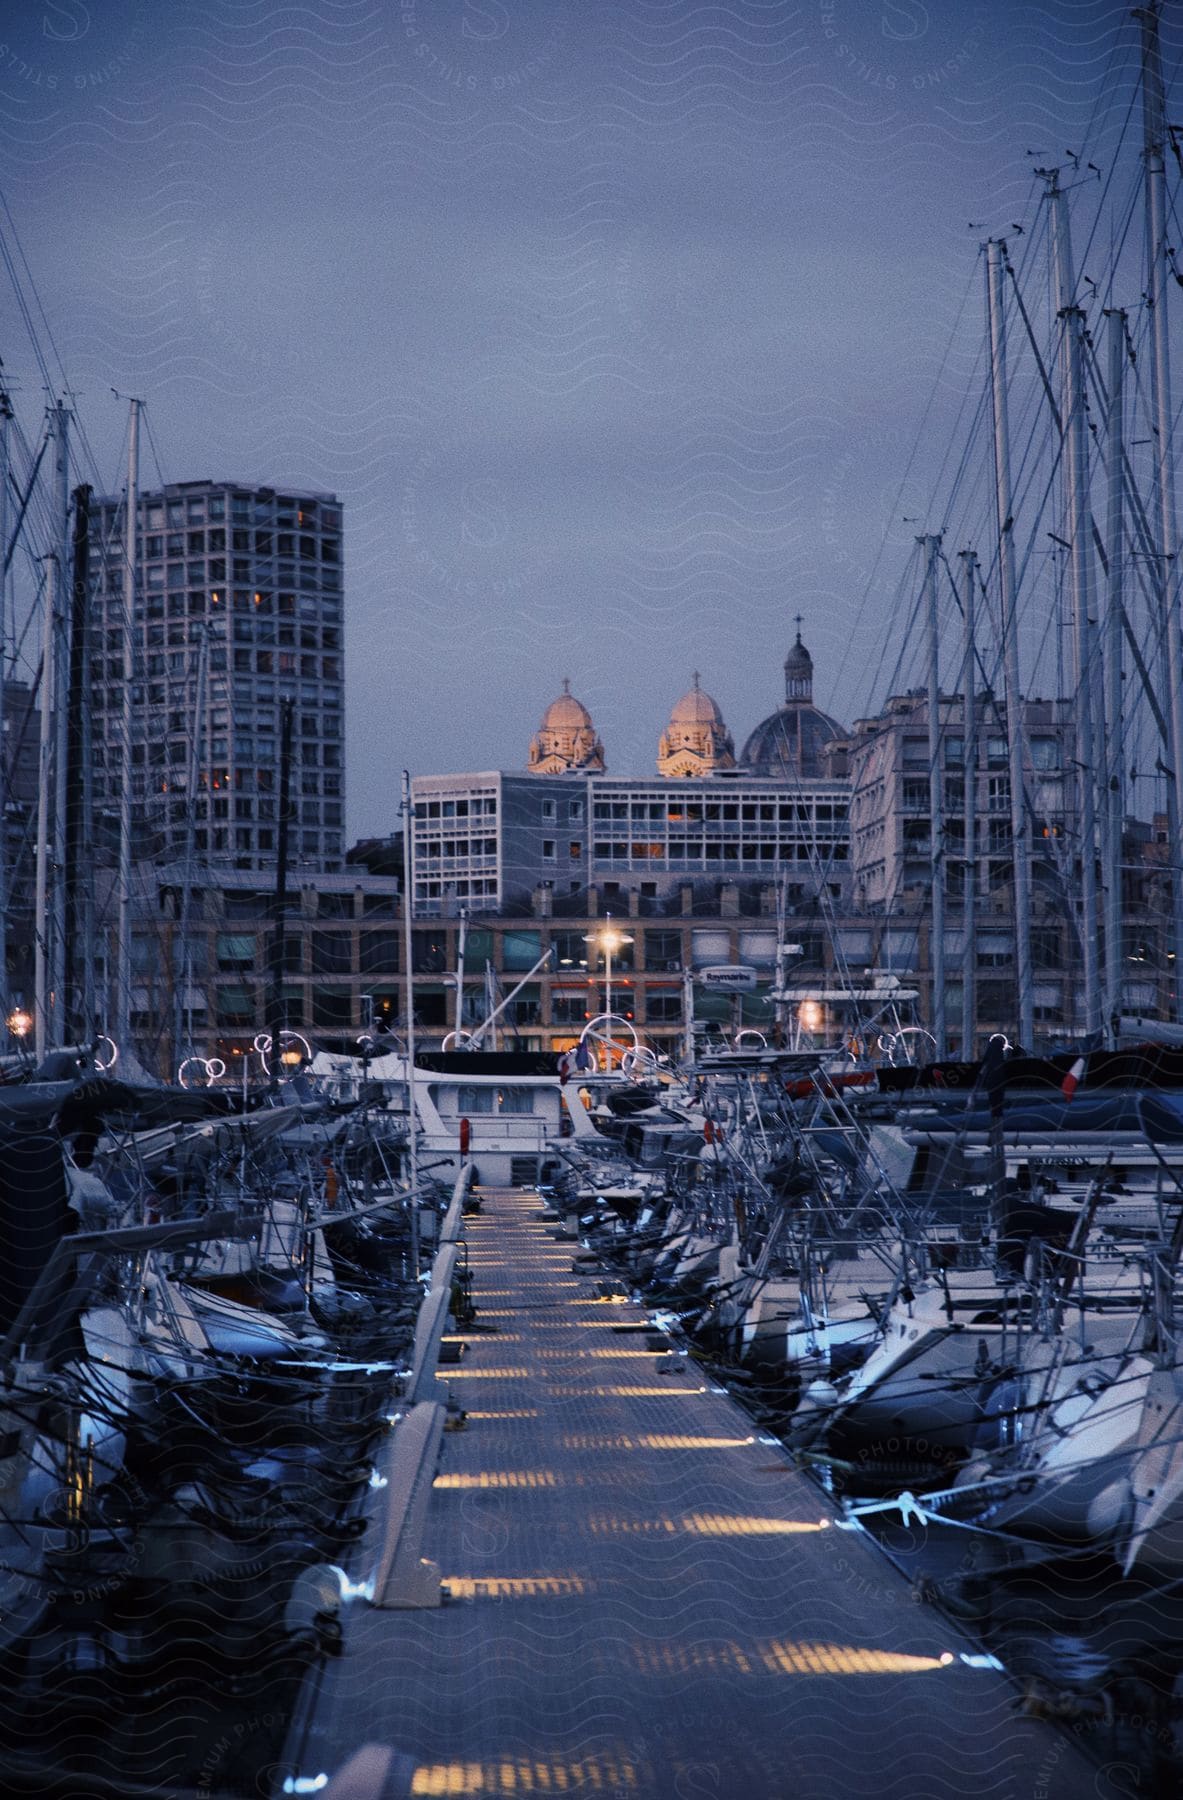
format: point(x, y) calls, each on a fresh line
point(644, 1596)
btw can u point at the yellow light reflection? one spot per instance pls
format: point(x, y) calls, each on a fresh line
point(701, 1524)
point(628, 1353)
point(630, 1393)
point(500, 1478)
point(486, 1375)
point(504, 1412)
point(778, 1656)
point(612, 1525)
point(515, 1587)
point(596, 1440)
point(590, 1774)
point(725, 1525)
point(478, 1337)
point(663, 1441)
point(842, 1659)
point(607, 1440)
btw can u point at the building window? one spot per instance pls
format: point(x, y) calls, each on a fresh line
point(548, 849)
point(429, 952)
point(663, 951)
point(235, 1006)
point(332, 953)
point(331, 1009)
point(379, 953)
point(520, 950)
point(663, 1009)
point(571, 1009)
point(235, 950)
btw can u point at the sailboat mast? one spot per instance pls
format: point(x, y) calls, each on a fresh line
point(1079, 528)
point(461, 941)
point(61, 717)
point(1004, 524)
point(287, 710)
point(1115, 546)
point(183, 960)
point(1158, 257)
point(5, 453)
point(121, 1010)
point(936, 798)
point(969, 978)
point(42, 977)
point(78, 1010)
point(408, 895)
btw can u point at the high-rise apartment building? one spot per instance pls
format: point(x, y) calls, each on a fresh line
point(238, 606)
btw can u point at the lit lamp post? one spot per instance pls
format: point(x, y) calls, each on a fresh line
point(20, 1024)
point(810, 1017)
point(609, 939)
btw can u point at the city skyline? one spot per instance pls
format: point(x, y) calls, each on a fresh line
point(613, 328)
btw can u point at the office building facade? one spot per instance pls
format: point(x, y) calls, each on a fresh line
point(238, 605)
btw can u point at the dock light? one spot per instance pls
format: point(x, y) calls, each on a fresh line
point(809, 1015)
point(608, 940)
point(20, 1022)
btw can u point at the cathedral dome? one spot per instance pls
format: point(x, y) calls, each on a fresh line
point(566, 714)
point(789, 743)
point(696, 741)
point(566, 740)
point(696, 708)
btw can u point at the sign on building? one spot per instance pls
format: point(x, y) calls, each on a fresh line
point(727, 978)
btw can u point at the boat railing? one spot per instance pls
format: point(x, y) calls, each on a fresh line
point(520, 1129)
point(433, 1313)
point(402, 1578)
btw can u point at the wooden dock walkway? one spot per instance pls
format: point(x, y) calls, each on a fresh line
point(647, 1598)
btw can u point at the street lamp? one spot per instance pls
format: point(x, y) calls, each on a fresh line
point(20, 1022)
point(609, 939)
point(810, 1016)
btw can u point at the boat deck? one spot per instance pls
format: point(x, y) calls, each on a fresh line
point(647, 1598)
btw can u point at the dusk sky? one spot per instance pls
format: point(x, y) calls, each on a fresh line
point(626, 330)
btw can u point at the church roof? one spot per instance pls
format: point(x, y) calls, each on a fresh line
point(696, 708)
point(789, 742)
point(566, 739)
point(566, 713)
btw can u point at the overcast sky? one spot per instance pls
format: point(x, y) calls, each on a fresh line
point(614, 324)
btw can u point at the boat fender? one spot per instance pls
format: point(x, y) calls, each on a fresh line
point(314, 1604)
point(1108, 1510)
point(819, 1395)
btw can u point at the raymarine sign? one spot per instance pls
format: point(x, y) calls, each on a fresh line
point(730, 978)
